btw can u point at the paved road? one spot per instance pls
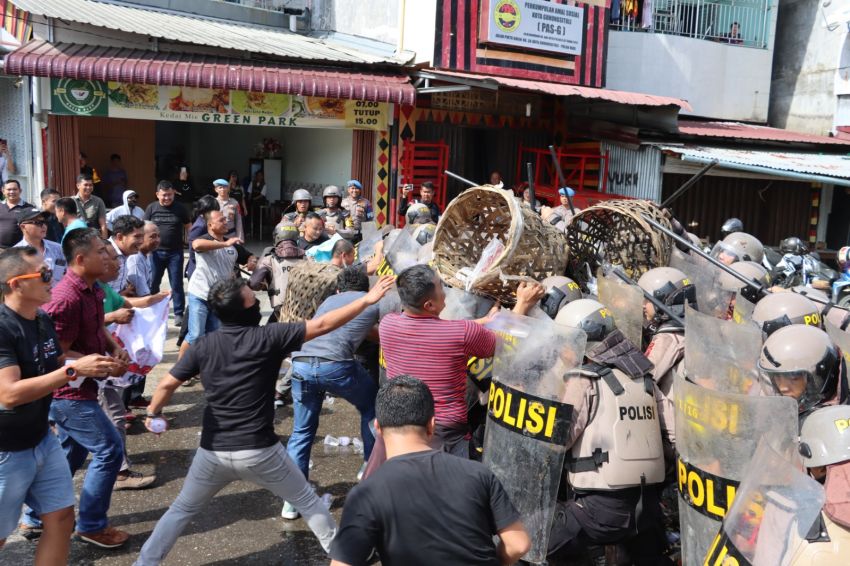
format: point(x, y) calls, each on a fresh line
point(242, 525)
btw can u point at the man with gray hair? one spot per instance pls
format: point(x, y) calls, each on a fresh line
point(140, 265)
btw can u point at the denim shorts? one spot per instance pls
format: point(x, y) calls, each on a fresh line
point(39, 477)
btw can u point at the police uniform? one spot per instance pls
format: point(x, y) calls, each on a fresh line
point(666, 351)
point(336, 219)
point(273, 270)
point(565, 215)
point(615, 454)
point(350, 205)
point(291, 217)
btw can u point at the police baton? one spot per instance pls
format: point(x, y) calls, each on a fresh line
point(688, 184)
point(561, 179)
point(530, 171)
point(649, 297)
point(758, 288)
point(461, 179)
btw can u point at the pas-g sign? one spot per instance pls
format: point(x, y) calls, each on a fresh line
point(541, 25)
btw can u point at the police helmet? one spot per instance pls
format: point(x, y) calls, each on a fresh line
point(588, 315)
point(739, 246)
point(799, 361)
point(302, 194)
point(560, 291)
point(424, 233)
point(285, 231)
point(793, 245)
point(331, 191)
point(730, 226)
point(750, 269)
point(418, 213)
point(778, 310)
point(668, 285)
point(825, 436)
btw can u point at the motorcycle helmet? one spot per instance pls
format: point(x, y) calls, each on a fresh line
point(731, 226)
point(843, 257)
point(793, 245)
point(799, 361)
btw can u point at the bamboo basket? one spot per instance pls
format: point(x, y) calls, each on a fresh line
point(615, 232)
point(309, 284)
point(533, 248)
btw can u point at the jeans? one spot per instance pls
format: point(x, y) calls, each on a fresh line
point(201, 320)
point(83, 428)
point(310, 381)
point(210, 471)
point(36, 476)
point(172, 260)
point(111, 401)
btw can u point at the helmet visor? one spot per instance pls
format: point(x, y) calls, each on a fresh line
point(800, 385)
point(726, 253)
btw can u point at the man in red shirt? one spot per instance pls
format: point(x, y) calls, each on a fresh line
point(81, 425)
point(417, 342)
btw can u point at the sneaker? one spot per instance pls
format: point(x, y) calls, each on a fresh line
point(289, 512)
point(282, 399)
point(133, 480)
point(361, 471)
point(138, 403)
point(110, 537)
point(29, 532)
point(189, 382)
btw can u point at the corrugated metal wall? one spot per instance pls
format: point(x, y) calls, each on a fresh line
point(634, 173)
point(770, 210)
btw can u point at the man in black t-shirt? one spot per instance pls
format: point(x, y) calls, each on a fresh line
point(424, 506)
point(239, 365)
point(172, 219)
point(33, 467)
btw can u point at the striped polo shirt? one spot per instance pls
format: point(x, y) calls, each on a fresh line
point(435, 351)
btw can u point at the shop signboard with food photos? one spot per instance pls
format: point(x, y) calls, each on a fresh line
point(213, 106)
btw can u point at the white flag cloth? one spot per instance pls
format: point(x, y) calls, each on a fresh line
point(144, 340)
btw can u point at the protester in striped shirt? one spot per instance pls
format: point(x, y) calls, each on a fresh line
point(417, 342)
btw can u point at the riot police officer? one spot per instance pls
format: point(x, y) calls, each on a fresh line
point(825, 450)
point(272, 272)
point(777, 310)
point(334, 215)
point(665, 339)
point(560, 291)
point(302, 199)
point(738, 246)
point(612, 496)
point(801, 362)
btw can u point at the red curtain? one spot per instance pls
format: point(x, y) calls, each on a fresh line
point(63, 135)
point(363, 159)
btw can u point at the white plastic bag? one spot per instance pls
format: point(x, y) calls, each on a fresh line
point(144, 340)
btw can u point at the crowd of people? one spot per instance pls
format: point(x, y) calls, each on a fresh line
point(352, 316)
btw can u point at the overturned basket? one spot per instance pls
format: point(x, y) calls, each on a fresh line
point(533, 248)
point(309, 284)
point(615, 232)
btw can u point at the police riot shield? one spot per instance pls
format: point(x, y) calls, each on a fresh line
point(716, 436)
point(742, 310)
point(839, 337)
point(774, 509)
point(462, 305)
point(403, 252)
point(527, 420)
point(625, 301)
point(722, 354)
point(711, 298)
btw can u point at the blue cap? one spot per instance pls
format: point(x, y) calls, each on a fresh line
point(354, 183)
point(566, 192)
point(220, 183)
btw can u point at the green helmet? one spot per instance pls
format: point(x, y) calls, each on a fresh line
point(285, 231)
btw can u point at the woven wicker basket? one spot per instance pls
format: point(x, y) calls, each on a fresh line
point(309, 284)
point(533, 248)
point(615, 232)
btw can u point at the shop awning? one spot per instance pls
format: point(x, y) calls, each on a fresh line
point(812, 167)
point(558, 89)
point(66, 60)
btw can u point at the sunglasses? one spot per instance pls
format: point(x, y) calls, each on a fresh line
point(40, 223)
point(45, 274)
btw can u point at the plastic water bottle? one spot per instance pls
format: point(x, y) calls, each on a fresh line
point(158, 425)
point(344, 441)
point(357, 444)
point(331, 441)
point(327, 499)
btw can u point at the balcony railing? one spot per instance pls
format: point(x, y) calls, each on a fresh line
point(737, 22)
point(272, 5)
